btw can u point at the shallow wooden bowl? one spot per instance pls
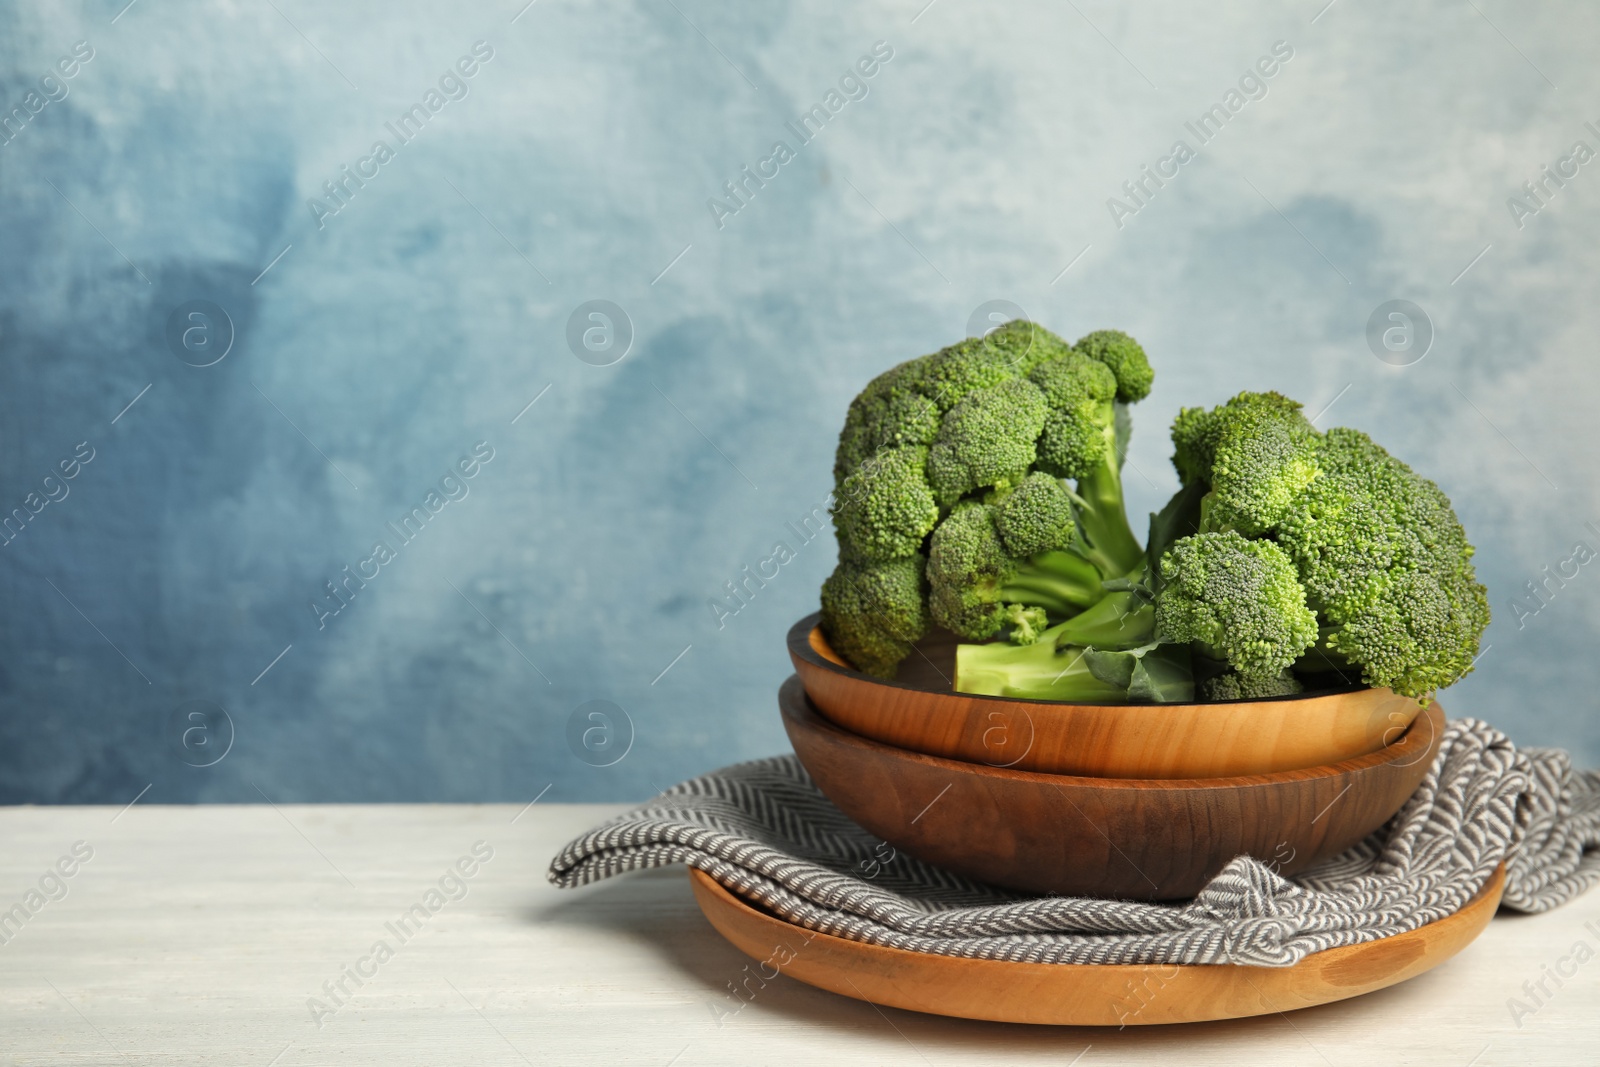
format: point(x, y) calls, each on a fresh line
point(919, 711)
point(1151, 839)
point(1075, 994)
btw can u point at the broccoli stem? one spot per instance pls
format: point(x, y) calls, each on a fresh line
point(1117, 620)
point(1104, 518)
point(1156, 672)
point(1037, 672)
point(1052, 667)
point(1063, 583)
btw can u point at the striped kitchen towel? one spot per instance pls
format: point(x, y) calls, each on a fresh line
point(765, 831)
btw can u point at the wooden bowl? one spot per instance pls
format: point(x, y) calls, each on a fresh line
point(1086, 994)
point(920, 712)
point(1150, 839)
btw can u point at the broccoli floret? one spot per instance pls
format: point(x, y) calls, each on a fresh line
point(1235, 600)
point(973, 578)
point(967, 566)
point(951, 373)
point(1078, 392)
point(1263, 453)
point(1194, 439)
point(908, 419)
point(1231, 685)
point(1023, 345)
point(1080, 441)
point(872, 613)
point(1036, 516)
point(986, 440)
point(884, 509)
point(889, 412)
point(1026, 623)
point(1387, 566)
point(1126, 359)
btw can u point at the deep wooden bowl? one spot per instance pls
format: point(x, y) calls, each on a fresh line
point(1151, 839)
point(919, 711)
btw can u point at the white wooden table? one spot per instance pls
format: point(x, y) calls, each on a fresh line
point(197, 935)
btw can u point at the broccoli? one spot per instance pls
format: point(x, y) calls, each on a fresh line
point(1384, 563)
point(968, 426)
point(980, 489)
point(875, 612)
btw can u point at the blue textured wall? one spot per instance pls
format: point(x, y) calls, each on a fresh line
point(380, 335)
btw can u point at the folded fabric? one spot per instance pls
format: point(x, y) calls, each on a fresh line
point(765, 831)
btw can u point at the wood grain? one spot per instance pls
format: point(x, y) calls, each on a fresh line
point(1087, 995)
point(918, 711)
point(1151, 839)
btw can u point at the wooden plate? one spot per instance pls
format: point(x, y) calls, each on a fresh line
point(1146, 839)
point(918, 711)
point(1080, 994)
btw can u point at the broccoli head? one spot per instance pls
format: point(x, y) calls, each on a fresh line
point(884, 508)
point(1378, 550)
point(961, 455)
point(1236, 600)
point(872, 613)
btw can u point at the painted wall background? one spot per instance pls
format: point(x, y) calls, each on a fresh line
point(374, 347)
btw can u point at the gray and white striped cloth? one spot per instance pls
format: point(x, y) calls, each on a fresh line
point(766, 832)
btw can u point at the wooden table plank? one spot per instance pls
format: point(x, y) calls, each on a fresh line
point(197, 935)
